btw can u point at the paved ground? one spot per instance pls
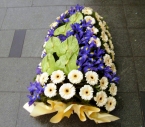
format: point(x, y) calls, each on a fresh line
point(28, 21)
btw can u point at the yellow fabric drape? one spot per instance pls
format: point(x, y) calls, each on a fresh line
point(65, 110)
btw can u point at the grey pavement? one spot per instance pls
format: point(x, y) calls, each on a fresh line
point(126, 19)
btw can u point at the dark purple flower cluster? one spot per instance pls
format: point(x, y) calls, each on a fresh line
point(35, 90)
point(75, 9)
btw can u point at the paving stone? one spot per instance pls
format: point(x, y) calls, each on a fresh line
point(140, 68)
point(134, 2)
point(103, 2)
point(15, 3)
point(31, 17)
point(24, 119)
point(142, 98)
point(17, 44)
point(17, 73)
point(34, 41)
point(113, 15)
point(121, 42)
point(6, 38)
point(137, 40)
point(2, 15)
point(74, 2)
point(43, 121)
point(9, 103)
point(135, 16)
point(129, 110)
point(126, 72)
point(57, 2)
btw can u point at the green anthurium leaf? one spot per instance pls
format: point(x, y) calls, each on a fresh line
point(52, 44)
point(72, 44)
point(76, 17)
point(63, 29)
point(60, 64)
point(60, 30)
point(71, 64)
point(48, 63)
point(61, 50)
point(45, 64)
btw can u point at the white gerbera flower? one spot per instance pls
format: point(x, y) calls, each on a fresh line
point(111, 103)
point(107, 60)
point(101, 98)
point(86, 92)
point(50, 90)
point(67, 91)
point(43, 78)
point(113, 89)
point(91, 77)
point(57, 76)
point(87, 11)
point(95, 30)
point(54, 24)
point(103, 83)
point(104, 36)
point(75, 76)
point(89, 18)
point(113, 68)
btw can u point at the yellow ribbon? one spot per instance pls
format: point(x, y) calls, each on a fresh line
point(64, 110)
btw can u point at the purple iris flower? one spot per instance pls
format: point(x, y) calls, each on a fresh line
point(62, 37)
point(115, 78)
point(79, 8)
point(73, 10)
point(35, 90)
point(50, 32)
point(38, 71)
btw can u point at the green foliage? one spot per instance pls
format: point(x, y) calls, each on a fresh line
point(67, 52)
point(75, 18)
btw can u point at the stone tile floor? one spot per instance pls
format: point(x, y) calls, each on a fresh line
point(126, 19)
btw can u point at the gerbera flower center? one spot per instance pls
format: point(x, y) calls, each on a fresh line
point(110, 103)
point(100, 98)
point(57, 76)
point(50, 90)
point(92, 77)
point(66, 90)
point(75, 76)
point(87, 92)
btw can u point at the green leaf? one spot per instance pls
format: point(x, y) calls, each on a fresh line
point(48, 64)
point(45, 64)
point(52, 45)
point(75, 18)
point(72, 44)
point(71, 64)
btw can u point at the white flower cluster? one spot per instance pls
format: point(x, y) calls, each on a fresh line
point(68, 90)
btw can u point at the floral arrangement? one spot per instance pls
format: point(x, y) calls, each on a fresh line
point(77, 73)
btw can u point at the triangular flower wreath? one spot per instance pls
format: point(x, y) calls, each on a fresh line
point(77, 73)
